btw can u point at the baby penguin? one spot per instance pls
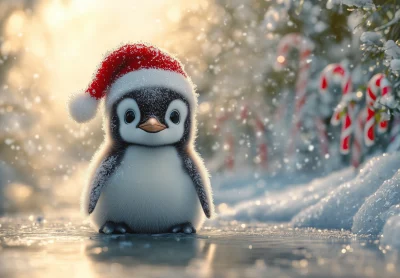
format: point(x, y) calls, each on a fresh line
point(147, 176)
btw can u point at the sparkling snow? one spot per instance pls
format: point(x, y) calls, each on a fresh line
point(283, 205)
point(361, 202)
point(336, 211)
point(381, 205)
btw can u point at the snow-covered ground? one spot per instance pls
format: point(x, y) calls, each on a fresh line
point(363, 202)
point(282, 205)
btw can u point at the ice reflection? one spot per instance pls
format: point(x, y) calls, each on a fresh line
point(154, 253)
point(201, 255)
point(144, 249)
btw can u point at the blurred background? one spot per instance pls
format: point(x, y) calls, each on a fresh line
point(50, 49)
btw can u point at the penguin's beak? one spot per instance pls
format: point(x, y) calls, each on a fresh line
point(152, 125)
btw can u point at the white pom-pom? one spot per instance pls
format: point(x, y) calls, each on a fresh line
point(83, 107)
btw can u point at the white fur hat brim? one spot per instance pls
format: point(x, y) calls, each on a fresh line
point(83, 107)
point(152, 78)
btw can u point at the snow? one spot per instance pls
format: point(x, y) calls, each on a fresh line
point(392, 49)
point(355, 3)
point(366, 201)
point(372, 215)
point(388, 101)
point(395, 64)
point(358, 3)
point(283, 205)
point(370, 37)
point(391, 232)
point(336, 211)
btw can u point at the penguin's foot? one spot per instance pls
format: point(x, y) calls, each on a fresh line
point(114, 228)
point(186, 228)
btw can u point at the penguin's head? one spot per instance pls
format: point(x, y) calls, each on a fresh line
point(151, 117)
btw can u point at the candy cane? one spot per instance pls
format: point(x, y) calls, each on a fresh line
point(261, 143)
point(357, 146)
point(280, 112)
point(378, 84)
point(305, 47)
point(230, 158)
point(228, 145)
point(322, 135)
point(337, 73)
point(394, 143)
point(259, 131)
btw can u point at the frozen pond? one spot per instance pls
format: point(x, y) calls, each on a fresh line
point(67, 247)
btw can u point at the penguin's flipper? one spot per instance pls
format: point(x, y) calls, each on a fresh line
point(198, 173)
point(103, 172)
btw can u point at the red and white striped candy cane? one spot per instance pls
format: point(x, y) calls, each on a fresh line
point(229, 141)
point(377, 86)
point(322, 135)
point(357, 146)
point(305, 47)
point(394, 143)
point(262, 148)
point(228, 144)
point(280, 112)
point(337, 73)
point(259, 133)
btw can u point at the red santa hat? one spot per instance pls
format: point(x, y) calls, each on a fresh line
point(132, 66)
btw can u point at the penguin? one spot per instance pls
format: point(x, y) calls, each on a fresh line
point(147, 176)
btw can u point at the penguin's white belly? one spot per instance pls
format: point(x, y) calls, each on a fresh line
point(150, 192)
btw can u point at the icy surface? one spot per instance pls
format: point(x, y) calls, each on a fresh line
point(45, 246)
point(380, 206)
point(336, 211)
point(283, 205)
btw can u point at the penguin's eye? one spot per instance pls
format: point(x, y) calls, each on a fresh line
point(175, 117)
point(129, 116)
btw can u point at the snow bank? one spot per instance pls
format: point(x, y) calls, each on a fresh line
point(351, 3)
point(380, 206)
point(235, 188)
point(283, 205)
point(391, 232)
point(366, 203)
point(358, 3)
point(336, 211)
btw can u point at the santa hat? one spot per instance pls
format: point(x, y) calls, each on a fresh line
point(132, 66)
